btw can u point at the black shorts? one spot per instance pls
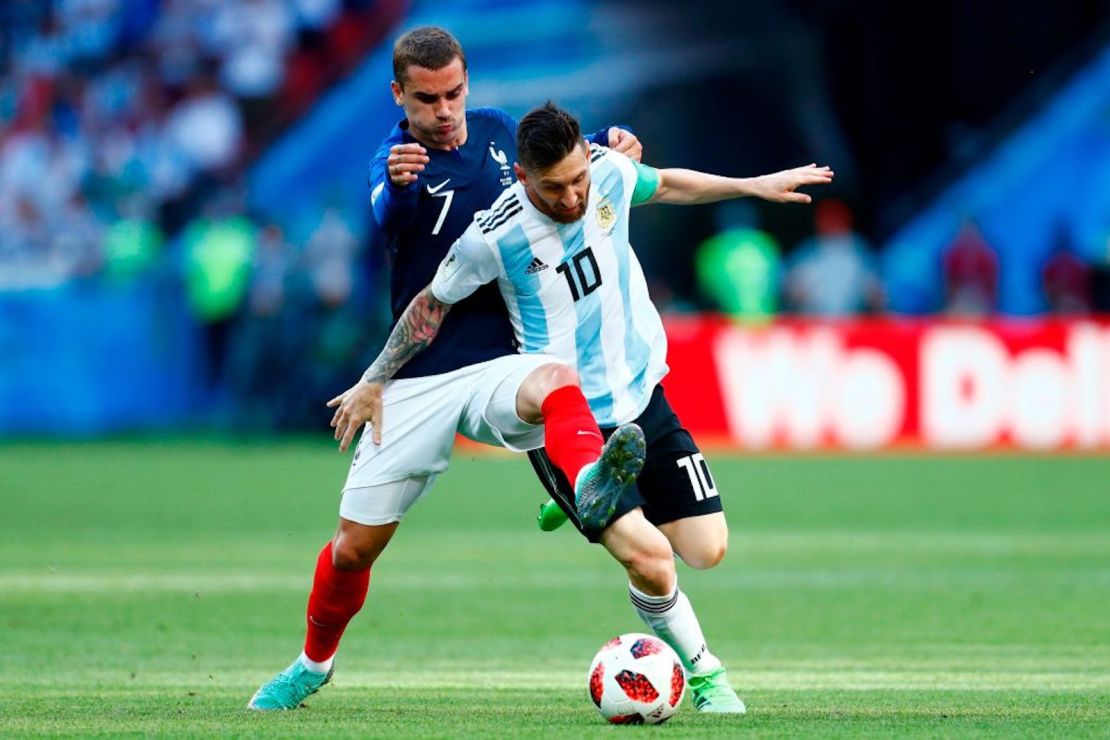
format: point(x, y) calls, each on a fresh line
point(674, 484)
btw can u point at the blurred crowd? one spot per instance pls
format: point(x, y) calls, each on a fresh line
point(744, 272)
point(126, 127)
point(283, 322)
point(119, 119)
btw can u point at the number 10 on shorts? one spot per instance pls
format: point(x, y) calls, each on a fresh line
point(700, 479)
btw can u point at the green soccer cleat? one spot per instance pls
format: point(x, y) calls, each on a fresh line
point(600, 485)
point(289, 688)
point(712, 693)
point(551, 516)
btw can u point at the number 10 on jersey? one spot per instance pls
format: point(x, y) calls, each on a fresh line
point(585, 277)
point(701, 482)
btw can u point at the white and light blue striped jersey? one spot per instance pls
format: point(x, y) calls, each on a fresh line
point(575, 291)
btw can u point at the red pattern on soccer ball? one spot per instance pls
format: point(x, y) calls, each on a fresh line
point(645, 646)
point(611, 644)
point(595, 683)
point(627, 719)
point(678, 682)
point(637, 687)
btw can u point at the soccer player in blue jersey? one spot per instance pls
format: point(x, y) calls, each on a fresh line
point(556, 245)
point(438, 167)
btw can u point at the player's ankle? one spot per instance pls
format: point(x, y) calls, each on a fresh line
point(317, 666)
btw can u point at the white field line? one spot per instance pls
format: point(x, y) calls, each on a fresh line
point(945, 541)
point(573, 680)
point(897, 578)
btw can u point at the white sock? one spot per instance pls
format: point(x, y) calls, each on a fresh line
point(315, 667)
point(672, 619)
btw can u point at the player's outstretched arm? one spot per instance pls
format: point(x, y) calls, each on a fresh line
point(689, 187)
point(362, 402)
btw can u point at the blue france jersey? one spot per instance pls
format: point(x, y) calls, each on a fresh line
point(422, 220)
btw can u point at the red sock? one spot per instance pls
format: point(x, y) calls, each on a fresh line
point(336, 598)
point(571, 435)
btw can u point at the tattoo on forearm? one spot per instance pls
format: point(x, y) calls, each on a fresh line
point(415, 330)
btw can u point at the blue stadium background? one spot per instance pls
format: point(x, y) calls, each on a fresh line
point(106, 208)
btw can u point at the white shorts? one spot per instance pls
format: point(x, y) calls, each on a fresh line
point(420, 417)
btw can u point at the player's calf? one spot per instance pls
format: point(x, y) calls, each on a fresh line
point(643, 551)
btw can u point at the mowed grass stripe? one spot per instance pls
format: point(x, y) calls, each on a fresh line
point(889, 578)
point(153, 587)
point(542, 713)
point(812, 678)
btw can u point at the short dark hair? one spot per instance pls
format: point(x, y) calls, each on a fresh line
point(430, 47)
point(545, 136)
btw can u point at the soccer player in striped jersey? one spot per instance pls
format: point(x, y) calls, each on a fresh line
point(438, 167)
point(556, 244)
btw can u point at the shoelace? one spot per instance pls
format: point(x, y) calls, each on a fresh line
point(287, 679)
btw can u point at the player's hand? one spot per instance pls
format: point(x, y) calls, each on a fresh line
point(626, 143)
point(360, 403)
point(780, 187)
point(405, 163)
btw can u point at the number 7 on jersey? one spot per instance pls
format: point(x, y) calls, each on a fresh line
point(447, 197)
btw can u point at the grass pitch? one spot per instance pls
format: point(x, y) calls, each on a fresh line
point(150, 588)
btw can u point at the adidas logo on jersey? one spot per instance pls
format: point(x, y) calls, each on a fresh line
point(535, 266)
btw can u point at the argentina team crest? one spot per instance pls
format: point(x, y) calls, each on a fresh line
point(606, 214)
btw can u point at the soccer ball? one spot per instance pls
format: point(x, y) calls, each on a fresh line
point(636, 679)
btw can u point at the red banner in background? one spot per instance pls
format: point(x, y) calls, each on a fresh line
point(876, 384)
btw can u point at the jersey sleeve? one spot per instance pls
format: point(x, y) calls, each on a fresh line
point(394, 207)
point(647, 182)
point(469, 264)
point(640, 181)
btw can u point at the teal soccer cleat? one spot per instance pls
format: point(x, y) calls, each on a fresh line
point(289, 688)
point(713, 693)
point(600, 486)
point(551, 516)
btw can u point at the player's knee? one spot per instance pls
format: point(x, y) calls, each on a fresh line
point(349, 554)
point(557, 376)
point(539, 384)
point(701, 542)
point(706, 554)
